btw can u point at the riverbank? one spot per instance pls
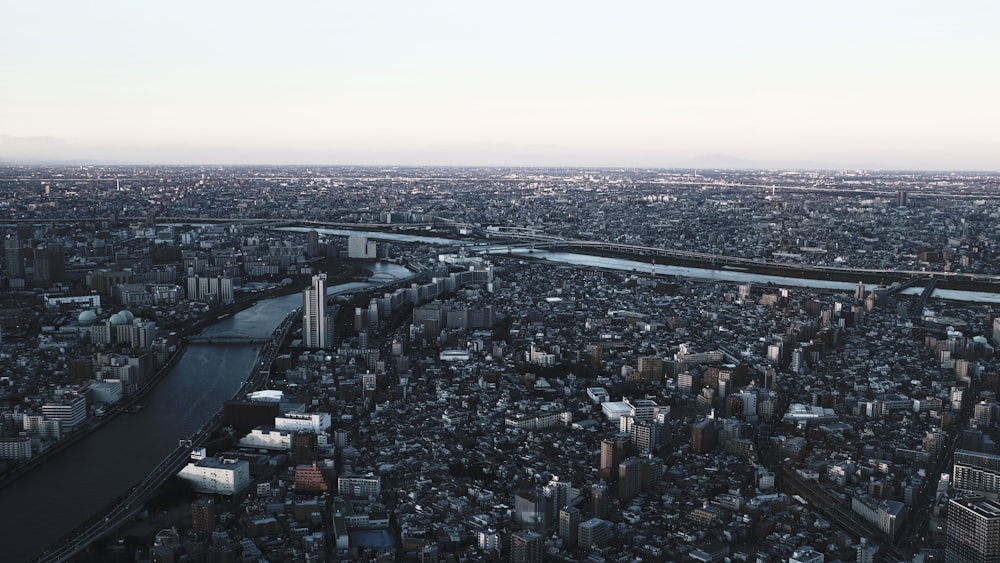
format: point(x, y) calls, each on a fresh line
point(133, 402)
point(694, 269)
point(945, 280)
point(95, 423)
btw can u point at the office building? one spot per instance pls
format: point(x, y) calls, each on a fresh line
point(312, 243)
point(49, 265)
point(886, 515)
point(613, 451)
point(703, 436)
point(70, 411)
point(599, 500)
point(315, 332)
point(650, 368)
point(525, 547)
point(646, 436)
point(557, 496)
point(569, 524)
point(593, 533)
point(14, 257)
point(629, 478)
point(973, 531)
point(530, 510)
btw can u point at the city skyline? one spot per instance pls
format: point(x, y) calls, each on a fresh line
point(738, 85)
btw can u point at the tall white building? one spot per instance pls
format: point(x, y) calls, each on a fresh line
point(314, 321)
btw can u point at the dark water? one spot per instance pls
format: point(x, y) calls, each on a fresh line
point(66, 490)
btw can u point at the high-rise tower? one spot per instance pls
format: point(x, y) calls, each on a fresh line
point(314, 322)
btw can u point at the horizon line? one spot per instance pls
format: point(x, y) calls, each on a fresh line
point(747, 168)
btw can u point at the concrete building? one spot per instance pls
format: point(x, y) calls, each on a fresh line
point(569, 524)
point(18, 448)
point(362, 248)
point(14, 256)
point(973, 531)
point(211, 289)
point(526, 547)
point(976, 472)
point(222, 476)
point(359, 486)
point(629, 478)
point(267, 439)
point(612, 453)
point(806, 554)
point(488, 540)
point(530, 510)
point(315, 422)
point(704, 436)
point(593, 533)
point(310, 479)
point(70, 412)
point(886, 515)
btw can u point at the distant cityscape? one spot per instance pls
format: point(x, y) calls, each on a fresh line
point(498, 364)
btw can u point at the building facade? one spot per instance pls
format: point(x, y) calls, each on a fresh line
point(314, 321)
point(222, 476)
point(973, 531)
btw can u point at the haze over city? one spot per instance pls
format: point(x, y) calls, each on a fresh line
point(894, 85)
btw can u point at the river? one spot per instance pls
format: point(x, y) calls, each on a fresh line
point(624, 265)
point(52, 500)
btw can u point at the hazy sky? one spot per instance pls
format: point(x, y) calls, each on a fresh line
point(875, 84)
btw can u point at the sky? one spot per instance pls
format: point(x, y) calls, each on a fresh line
point(850, 84)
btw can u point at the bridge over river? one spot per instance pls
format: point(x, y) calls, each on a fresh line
point(227, 339)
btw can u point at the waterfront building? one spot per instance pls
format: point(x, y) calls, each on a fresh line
point(315, 332)
point(18, 448)
point(70, 411)
point(222, 476)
